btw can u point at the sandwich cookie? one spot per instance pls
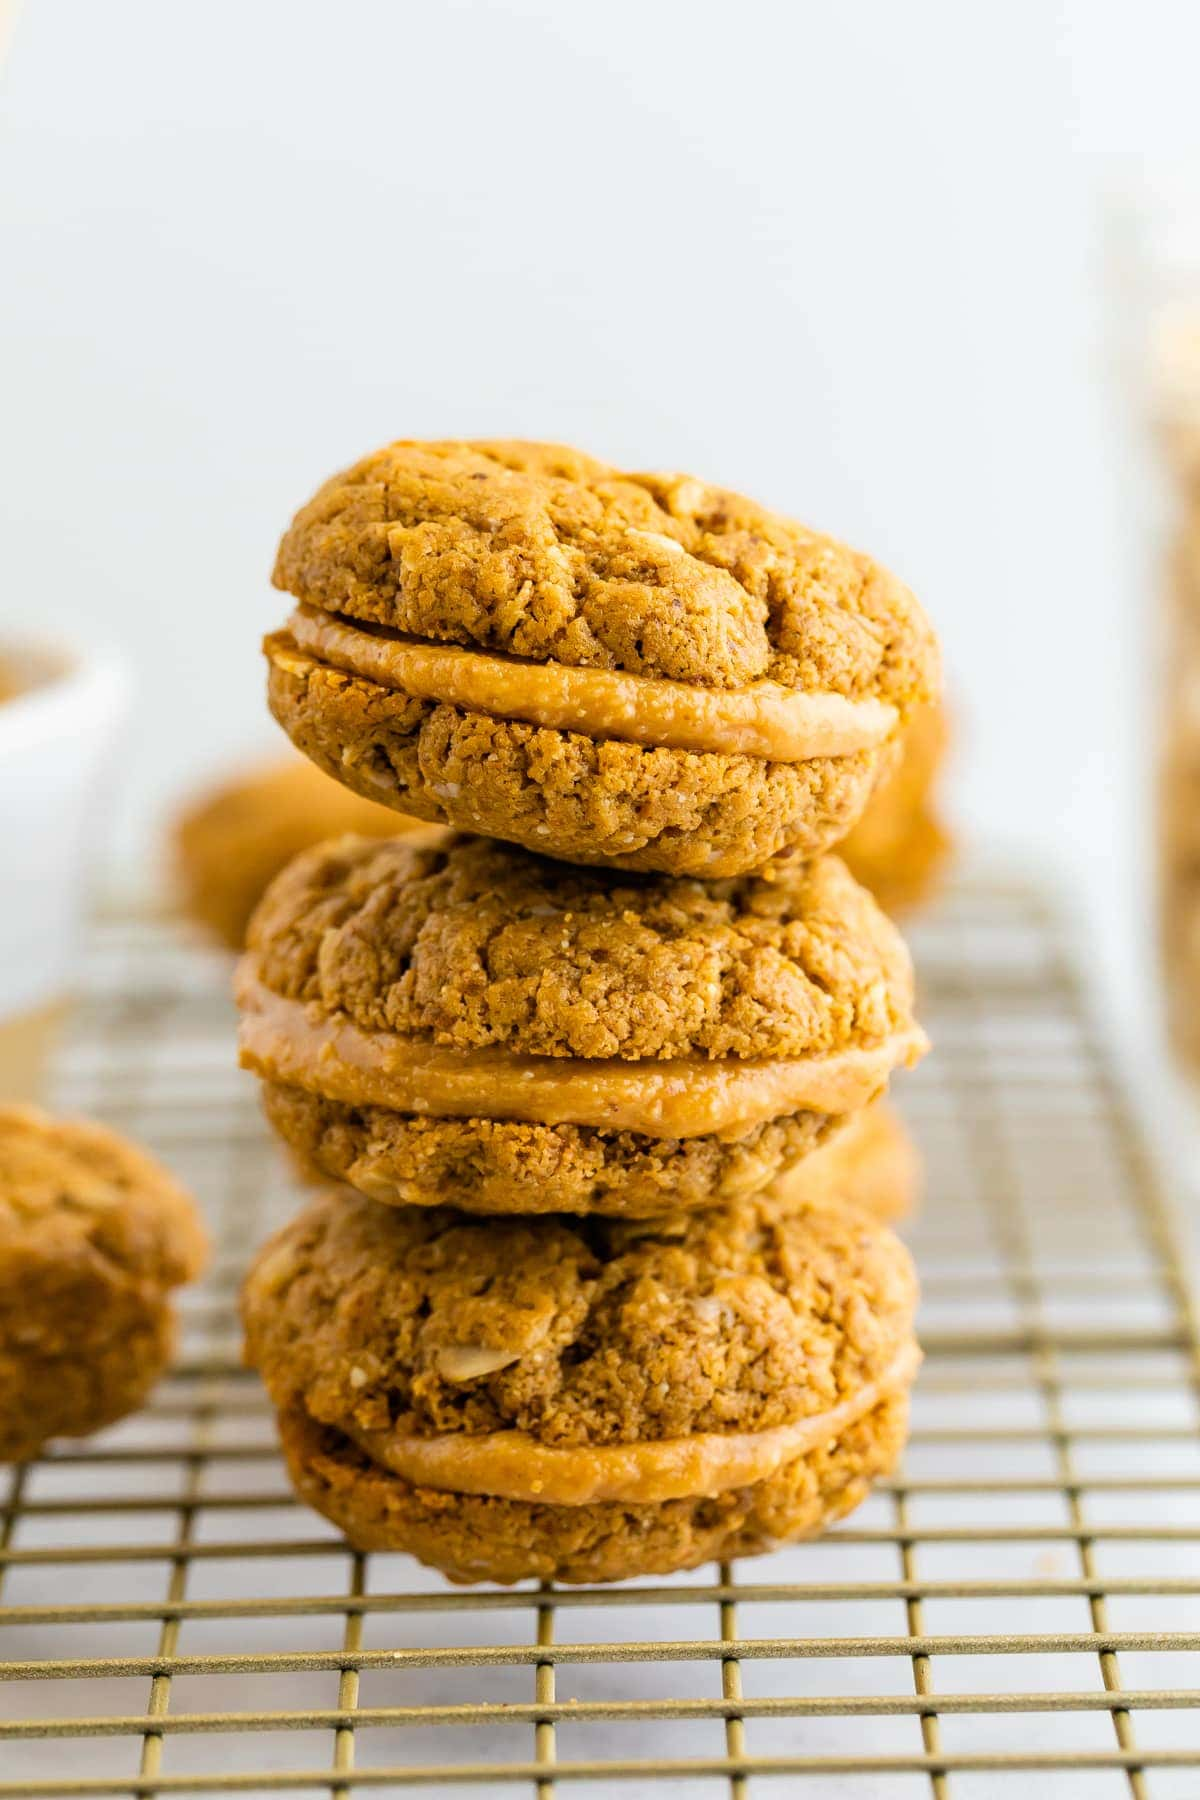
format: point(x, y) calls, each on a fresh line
point(640, 670)
point(582, 1400)
point(469, 1021)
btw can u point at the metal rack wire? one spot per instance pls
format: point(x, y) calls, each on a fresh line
point(1022, 1604)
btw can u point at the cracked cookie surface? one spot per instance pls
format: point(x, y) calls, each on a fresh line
point(471, 944)
point(543, 552)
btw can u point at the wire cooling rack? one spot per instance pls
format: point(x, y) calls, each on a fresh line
point(1017, 1613)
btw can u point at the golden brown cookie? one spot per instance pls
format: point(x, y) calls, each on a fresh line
point(230, 844)
point(93, 1236)
point(469, 1020)
point(582, 1400)
point(640, 670)
point(900, 848)
point(871, 1163)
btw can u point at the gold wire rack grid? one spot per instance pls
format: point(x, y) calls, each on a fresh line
point(1017, 1612)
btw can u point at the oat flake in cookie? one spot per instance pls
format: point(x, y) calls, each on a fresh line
point(469, 1022)
point(632, 669)
point(93, 1237)
point(582, 1400)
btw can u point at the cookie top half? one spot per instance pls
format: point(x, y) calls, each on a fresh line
point(538, 551)
point(382, 1320)
point(472, 944)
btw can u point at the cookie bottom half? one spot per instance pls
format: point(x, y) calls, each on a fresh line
point(505, 1166)
point(473, 1537)
point(561, 793)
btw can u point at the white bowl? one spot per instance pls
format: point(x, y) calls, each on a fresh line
point(57, 737)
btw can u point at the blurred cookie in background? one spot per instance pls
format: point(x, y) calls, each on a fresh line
point(871, 1163)
point(1179, 801)
point(230, 842)
point(900, 848)
point(94, 1236)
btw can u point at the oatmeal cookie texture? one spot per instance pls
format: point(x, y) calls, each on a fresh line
point(93, 1237)
point(680, 1389)
point(230, 843)
point(469, 1018)
point(652, 672)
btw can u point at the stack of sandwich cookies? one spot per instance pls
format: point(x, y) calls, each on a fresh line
point(602, 1287)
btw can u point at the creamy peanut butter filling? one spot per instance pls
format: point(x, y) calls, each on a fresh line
point(301, 1046)
point(763, 719)
point(512, 1465)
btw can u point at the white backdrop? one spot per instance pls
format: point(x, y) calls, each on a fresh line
point(847, 258)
